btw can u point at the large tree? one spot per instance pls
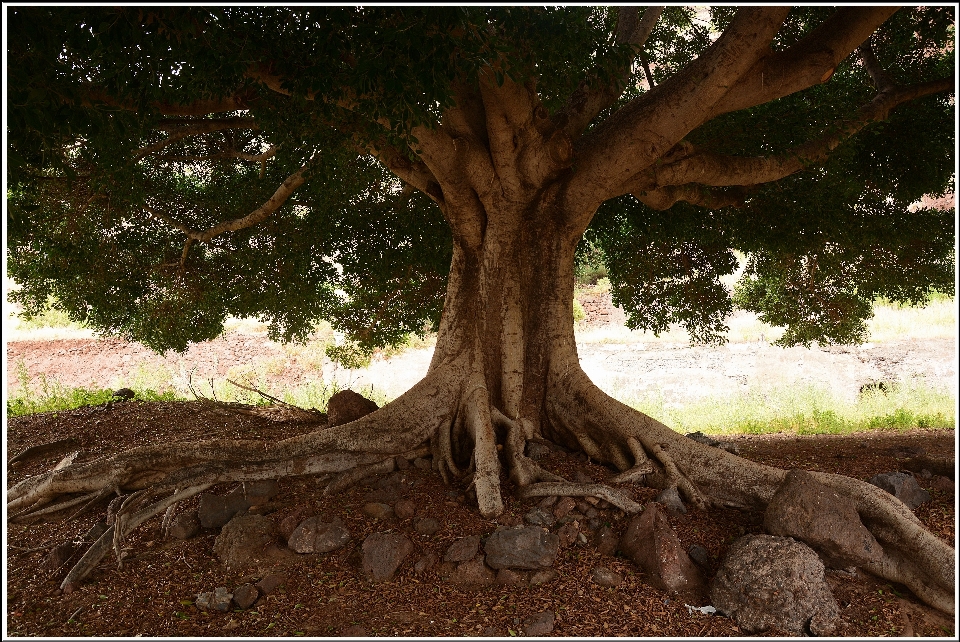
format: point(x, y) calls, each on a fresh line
point(384, 168)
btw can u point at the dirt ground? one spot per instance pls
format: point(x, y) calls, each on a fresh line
point(153, 593)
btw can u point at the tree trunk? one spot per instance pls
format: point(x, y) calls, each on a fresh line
point(505, 372)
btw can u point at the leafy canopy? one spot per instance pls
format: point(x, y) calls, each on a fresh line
point(99, 187)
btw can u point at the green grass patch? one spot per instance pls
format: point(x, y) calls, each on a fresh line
point(807, 410)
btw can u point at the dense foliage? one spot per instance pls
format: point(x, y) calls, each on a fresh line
point(87, 88)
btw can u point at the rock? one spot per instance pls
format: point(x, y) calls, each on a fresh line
point(473, 573)
point(377, 510)
point(564, 506)
point(605, 577)
point(492, 632)
point(184, 525)
point(542, 577)
point(427, 526)
point(510, 577)
point(260, 490)
point(943, 484)
point(124, 394)
point(346, 406)
point(57, 560)
point(218, 600)
point(422, 463)
point(354, 631)
point(405, 508)
point(699, 555)
point(426, 562)
point(245, 540)
point(593, 523)
point(315, 536)
point(463, 549)
point(547, 502)
point(290, 522)
point(537, 451)
point(583, 506)
point(670, 498)
point(768, 582)
point(651, 543)
point(382, 555)
point(402, 463)
point(99, 529)
point(245, 595)
point(269, 583)
point(539, 624)
point(567, 534)
point(215, 511)
point(902, 486)
point(606, 541)
point(539, 517)
point(527, 547)
point(818, 515)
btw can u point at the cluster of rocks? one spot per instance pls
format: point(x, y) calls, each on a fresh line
point(243, 597)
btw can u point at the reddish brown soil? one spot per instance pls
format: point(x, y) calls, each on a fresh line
point(325, 595)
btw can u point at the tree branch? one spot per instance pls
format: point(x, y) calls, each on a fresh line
point(809, 62)
point(591, 96)
point(710, 197)
point(881, 80)
point(183, 129)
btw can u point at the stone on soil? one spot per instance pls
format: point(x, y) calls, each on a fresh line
point(377, 510)
point(245, 595)
point(245, 540)
point(510, 577)
point(564, 506)
point(96, 531)
point(427, 526)
point(405, 508)
point(57, 559)
point(426, 562)
point(260, 490)
point(539, 624)
point(671, 500)
point(290, 522)
point(184, 525)
point(699, 554)
point(903, 486)
point(315, 536)
point(544, 576)
point(347, 406)
point(768, 582)
point(473, 573)
point(540, 517)
point(217, 600)
point(269, 583)
point(818, 515)
point(605, 577)
point(567, 534)
point(463, 549)
point(526, 547)
point(653, 545)
point(215, 511)
point(606, 541)
point(382, 555)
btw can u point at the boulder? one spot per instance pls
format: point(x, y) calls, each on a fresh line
point(473, 573)
point(902, 486)
point(246, 540)
point(382, 554)
point(463, 549)
point(653, 545)
point(215, 511)
point(184, 525)
point(315, 536)
point(539, 624)
point(768, 582)
point(818, 515)
point(670, 498)
point(527, 547)
point(346, 406)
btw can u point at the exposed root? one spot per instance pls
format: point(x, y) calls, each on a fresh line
point(677, 478)
point(41, 450)
point(569, 489)
point(486, 478)
point(348, 478)
point(641, 468)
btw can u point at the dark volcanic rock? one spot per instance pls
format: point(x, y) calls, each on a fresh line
point(246, 540)
point(463, 549)
point(528, 547)
point(902, 486)
point(382, 555)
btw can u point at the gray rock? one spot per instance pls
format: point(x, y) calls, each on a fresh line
point(653, 545)
point(246, 540)
point(315, 536)
point(768, 582)
point(527, 547)
point(245, 595)
point(217, 600)
point(425, 563)
point(564, 506)
point(405, 509)
point(540, 517)
point(539, 624)
point(605, 577)
point(427, 526)
point(699, 554)
point(473, 573)
point(902, 486)
point(544, 576)
point(346, 406)
point(215, 511)
point(382, 554)
point(827, 521)
point(606, 541)
point(377, 510)
point(463, 549)
point(184, 525)
point(670, 498)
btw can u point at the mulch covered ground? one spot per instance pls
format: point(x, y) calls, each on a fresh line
point(326, 595)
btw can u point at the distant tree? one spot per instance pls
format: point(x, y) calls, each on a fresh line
point(387, 167)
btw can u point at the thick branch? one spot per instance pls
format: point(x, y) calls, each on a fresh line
point(238, 102)
point(807, 63)
point(183, 129)
point(592, 96)
point(712, 198)
point(881, 80)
